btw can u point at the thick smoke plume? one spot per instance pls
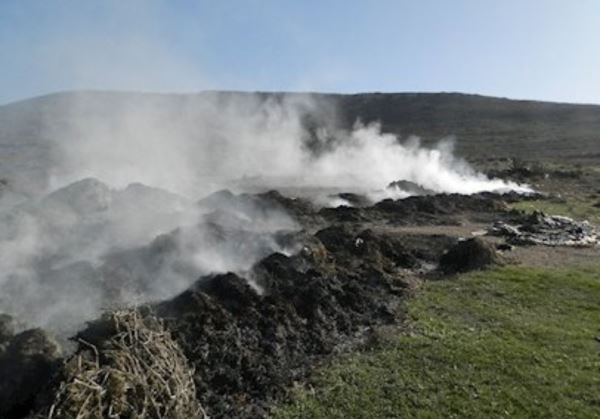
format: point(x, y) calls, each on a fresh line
point(194, 145)
point(118, 220)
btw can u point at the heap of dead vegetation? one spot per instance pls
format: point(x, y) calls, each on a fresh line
point(236, 343)
point(248, 348)
point(136, 371)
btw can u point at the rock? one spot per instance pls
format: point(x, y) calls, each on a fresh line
point(469, 255)
point(26, 367)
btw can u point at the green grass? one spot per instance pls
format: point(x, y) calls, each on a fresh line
point(512, 342)
point(577, 208)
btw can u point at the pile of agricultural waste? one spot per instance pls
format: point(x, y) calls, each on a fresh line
point(547, 230)
point(233, 344)
point(244, 345)
point(248, 347)
point(138, 371)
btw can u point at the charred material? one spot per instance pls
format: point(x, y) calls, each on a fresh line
point(367, 248)
point(27, 363)
point(249, 344)
point(427, 209)
point(238, 341)
point(469, 255)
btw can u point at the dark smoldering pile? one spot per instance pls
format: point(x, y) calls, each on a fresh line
point(232, 344)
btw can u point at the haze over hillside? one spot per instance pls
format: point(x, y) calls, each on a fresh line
point(509, 127)
point(31, 130)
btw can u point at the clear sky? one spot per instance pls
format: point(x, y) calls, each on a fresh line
point(535, 49)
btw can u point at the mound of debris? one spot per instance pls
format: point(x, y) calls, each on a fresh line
point(366, 249)
point(234, 343)
point(547, 230)
point(27, 362)
point(170, 261)
point(469, 255)
point(133, 369)
point(422, 209)
point(249, 343)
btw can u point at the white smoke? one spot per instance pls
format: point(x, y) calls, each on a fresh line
point(103, 186)
point(196, 144)
point(120, 224)
point(368, 160)
point(87, 247)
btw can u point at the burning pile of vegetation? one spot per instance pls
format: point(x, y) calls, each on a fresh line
point(137, 372)
point(235, 343)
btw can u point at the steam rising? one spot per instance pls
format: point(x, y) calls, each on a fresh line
point(119, 221)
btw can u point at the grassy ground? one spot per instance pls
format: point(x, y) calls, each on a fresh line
point(512, 342)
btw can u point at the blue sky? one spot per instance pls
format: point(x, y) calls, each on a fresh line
point(535, 49)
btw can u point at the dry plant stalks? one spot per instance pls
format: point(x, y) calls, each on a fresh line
point(139, 373)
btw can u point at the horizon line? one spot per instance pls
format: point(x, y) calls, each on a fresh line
point(284, 92)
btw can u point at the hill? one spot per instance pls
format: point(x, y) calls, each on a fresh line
point(483, 126)
point(510, 127)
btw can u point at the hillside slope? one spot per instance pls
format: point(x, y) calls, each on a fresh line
point(483, 126)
